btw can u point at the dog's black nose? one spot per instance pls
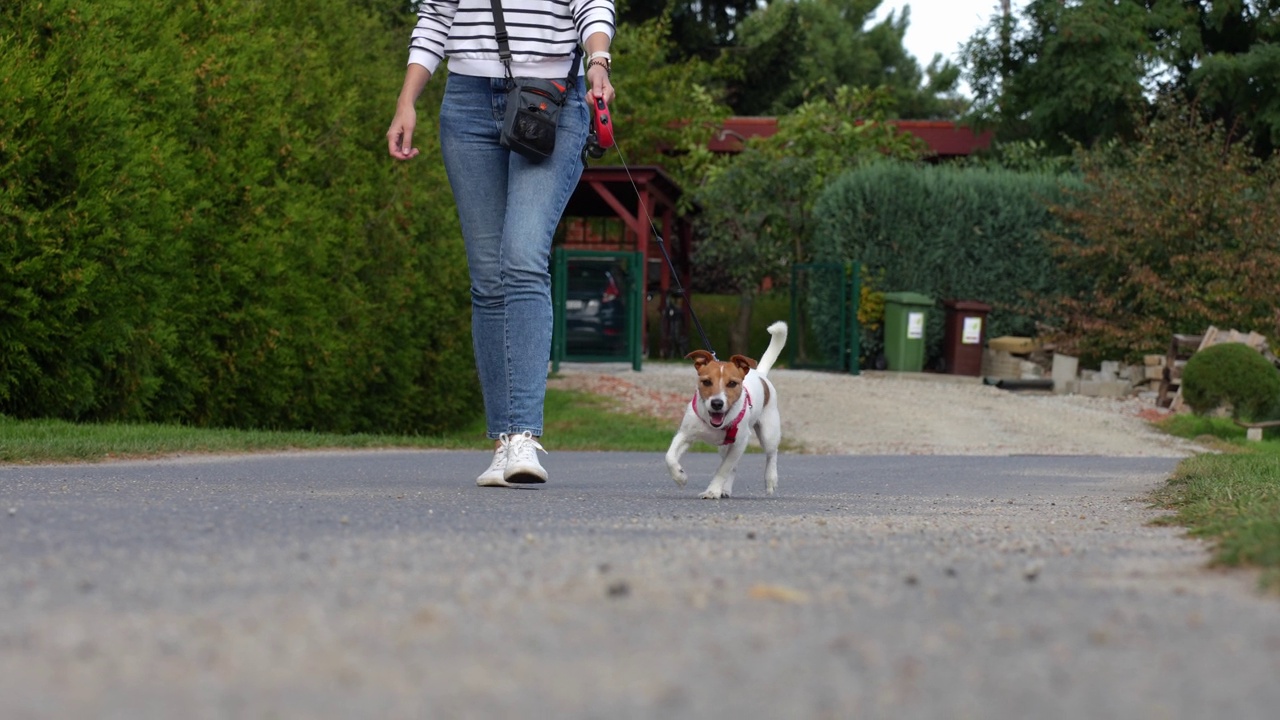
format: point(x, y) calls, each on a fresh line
point(717, 405)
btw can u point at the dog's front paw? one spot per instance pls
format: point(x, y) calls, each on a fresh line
point(710, 494)
point(678, 474)
point(770, 485)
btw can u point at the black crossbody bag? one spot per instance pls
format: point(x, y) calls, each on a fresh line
point(533, 104)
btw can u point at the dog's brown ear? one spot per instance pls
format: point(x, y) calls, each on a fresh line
point(700, 357)
point(743, 362)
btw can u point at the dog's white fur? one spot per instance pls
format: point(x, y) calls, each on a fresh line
point(723, 390)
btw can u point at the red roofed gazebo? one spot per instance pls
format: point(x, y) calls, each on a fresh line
point(633, 209)
point(617, 208)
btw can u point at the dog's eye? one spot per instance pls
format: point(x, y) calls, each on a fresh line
point(706, 383)
point(733, 383)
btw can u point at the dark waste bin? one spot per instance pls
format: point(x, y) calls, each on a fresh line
point(904, 323)
point(964, 335)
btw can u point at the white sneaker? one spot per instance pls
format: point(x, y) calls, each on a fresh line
point(522, 465)
point(494, 476)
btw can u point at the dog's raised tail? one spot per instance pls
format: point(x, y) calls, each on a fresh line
point(778, 333)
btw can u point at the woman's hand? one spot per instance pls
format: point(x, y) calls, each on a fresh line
point(598, 85)
point(400, 134)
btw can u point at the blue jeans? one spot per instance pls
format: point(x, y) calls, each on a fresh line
point(509, 208)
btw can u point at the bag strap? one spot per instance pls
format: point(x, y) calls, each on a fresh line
point(500, 34)
point(504, 49)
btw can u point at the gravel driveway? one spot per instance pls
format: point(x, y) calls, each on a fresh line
point(879, 413)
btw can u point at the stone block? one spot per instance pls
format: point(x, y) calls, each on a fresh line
point(1028, 370)
point(1001, 364)
point(1065, 369)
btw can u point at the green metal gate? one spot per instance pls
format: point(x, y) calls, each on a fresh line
point(598, 303)
point(824, 316)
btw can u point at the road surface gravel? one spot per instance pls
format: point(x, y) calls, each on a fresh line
point(969, 573)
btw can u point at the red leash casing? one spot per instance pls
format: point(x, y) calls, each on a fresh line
point(602, 123)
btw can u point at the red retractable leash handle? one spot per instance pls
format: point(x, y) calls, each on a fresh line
point(600, 138)
point(601, 123)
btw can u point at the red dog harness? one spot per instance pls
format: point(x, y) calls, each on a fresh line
point(731, 432)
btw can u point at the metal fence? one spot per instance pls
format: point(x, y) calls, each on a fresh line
point(824, 316)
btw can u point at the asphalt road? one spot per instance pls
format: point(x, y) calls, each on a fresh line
point(385, 584)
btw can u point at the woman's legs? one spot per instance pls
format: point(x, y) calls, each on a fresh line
point(509, 208)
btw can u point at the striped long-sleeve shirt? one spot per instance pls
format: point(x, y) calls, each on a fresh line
point(542, 35)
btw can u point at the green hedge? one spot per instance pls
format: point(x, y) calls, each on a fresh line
point(946, 232)
point(199, 222)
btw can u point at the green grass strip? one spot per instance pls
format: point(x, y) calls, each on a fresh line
point(582, 421)
point(1232, 499)
point(46, 441)
point(574, 420)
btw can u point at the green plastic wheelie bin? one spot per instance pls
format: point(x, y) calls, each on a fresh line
point(905, 314)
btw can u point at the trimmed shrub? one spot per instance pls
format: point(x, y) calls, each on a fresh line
point(1231, 374)
point(199, 222)
point(961, 233)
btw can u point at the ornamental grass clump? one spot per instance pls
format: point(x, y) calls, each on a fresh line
point(1235, 375)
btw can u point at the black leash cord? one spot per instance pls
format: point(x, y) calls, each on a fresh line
point(662, 245)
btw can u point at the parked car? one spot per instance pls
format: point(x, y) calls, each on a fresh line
point(595, 312)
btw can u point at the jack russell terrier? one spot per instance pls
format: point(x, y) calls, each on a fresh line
point(733, 399)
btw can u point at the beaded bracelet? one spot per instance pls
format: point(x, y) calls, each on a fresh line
point(602, 63)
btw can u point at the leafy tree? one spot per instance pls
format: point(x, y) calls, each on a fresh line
point(1065, 74)
point(666, 111)
point(755, 215)
point(1172, 233)
point(1082, 72)
point(699, 28)
point(1226, 57)
point(797, 49)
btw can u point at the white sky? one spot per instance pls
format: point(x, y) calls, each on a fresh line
point(942, 26)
